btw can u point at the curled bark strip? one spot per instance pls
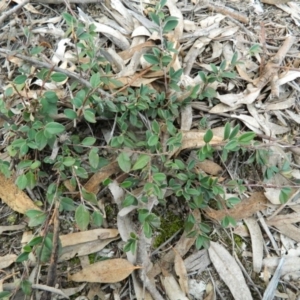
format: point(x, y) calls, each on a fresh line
point(228, 12)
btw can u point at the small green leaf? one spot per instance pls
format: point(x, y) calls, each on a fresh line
point(228, 74)
point(21, 182)
point(151, 59)
point(67, 204)
point(31, 180)
point(141, 162)
point(69, 161)
point(36, 50)
point(254, 49)
point(170, 25)
point(159, 177)
point(94, 158)
point(227, 130)
point(41, 140)
point(81, 172)
point(35, 241)
point(22, 257)
point(153, 140)
point(147, 230)
point(182, 176)
point(129, 200)
point(90, 197)
point(124, 162)
point(97, 219)
point(234, 58)
point(225, 222)
point(155, 127)
point(233, 201)
point(35, 165)
point(20, 79)
point(82, 217)
point(209, 92)
point(95, 80)
point(54, 128)
point(88, 141)
point(285, 194)
point(24, 164)
point(70, 113)
point(208, 136)
point(232, 145)
point(58, 77)
point(234, 132)
point(246, 137)
point(36, 217)
point(26, 287)
point(162, 3)
point(89, 115)
point(155, 18)
point(71, 21)
point(166, 59)
point(214, 68)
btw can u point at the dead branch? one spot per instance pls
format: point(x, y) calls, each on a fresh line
point(51, 277)
point(12, 11)
point(228, 12)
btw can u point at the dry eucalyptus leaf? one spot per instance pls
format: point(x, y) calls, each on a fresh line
point(209, 167)
point(229, 271)
point(11, 228)
point(13, 197)
point(284, 223)
point(172, 288)
point(87, 236)
point(7, 260)
point(93, 183)
point(194, 139)
point(246, 208)
point(257, 242)
point(198, 261)
point(87, 248)
point(107, 271)
point(181, 272)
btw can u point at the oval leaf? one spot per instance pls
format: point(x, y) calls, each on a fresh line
point(107, 271)
point(58, 77)
point(54, 128)
point(229, 271)
point(141, 162)
point(82, 217)
point(124, 162)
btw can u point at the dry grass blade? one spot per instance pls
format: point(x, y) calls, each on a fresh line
point(229, 271)
point(107, 271)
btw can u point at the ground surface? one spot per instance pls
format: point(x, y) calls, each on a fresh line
point(243, 261)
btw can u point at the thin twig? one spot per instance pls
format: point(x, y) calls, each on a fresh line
point(51, 277)
point(12, 11)
point(57, 69)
